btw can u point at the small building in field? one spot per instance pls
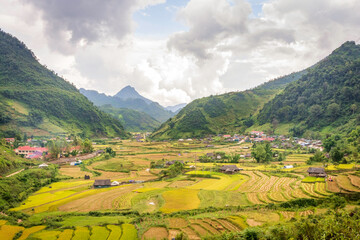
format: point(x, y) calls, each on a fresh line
point(169, 163)
point(229, 169)
point(317, 172)
point(115, 183)
point(87, 177)
point(102, 183)
point(288, 166)
point(43, 165)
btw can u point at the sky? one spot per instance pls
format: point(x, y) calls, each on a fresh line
point(175, 51)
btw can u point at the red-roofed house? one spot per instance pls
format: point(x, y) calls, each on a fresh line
point(10, 140)
point(227, 136)
point(27, 150)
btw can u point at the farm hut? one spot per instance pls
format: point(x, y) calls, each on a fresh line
point(169, 163)
point(86, 177)
point(43, 165)
point(230, 169)
point(115, 183)
point(102, 183)
point(288, 166)
point(316, 172)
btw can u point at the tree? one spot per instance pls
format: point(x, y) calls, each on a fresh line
point(353, 108)
point(315, 111)
point(336, 154)
point(110, 151)
point(333, 110)
point(175, 169)
point(87, 146)
point(262, 153)
point(329, 143)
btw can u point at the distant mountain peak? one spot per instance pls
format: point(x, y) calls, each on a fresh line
point(130, 92)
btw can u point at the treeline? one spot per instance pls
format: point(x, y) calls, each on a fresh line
point(16, 189)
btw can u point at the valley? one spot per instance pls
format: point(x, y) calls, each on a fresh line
point(200, 201)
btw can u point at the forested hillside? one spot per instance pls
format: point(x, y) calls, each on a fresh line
point(132, 120)
point(227, 113)
point(36, 100)
point(326, 99)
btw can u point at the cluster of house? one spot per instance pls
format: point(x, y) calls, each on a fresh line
point(32, 152)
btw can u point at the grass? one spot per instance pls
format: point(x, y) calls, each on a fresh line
point(82, 221)
point(26, 233)
point(180, 199)
point(313, 180)
point(115, 233)
point(128, 232)
point(46, 235)
point(211, 198)
point(8, 232)
point(238, 221)
point(81, 233)
point(148, 201)
point(99, 233)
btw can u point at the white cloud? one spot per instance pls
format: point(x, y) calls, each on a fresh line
point(92, 43)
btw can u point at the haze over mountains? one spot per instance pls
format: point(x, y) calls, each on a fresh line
point(129, 98)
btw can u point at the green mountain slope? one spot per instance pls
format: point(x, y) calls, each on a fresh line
point(33, 99)
point(226, 113)
point(326, 99)
point(129, 98)
point(132, 120)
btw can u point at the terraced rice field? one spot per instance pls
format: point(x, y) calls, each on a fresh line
point(345, 183)
point(180, 199)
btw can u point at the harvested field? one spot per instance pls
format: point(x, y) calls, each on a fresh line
point(74, 171)
point(309, 189)
point(305, 213)
point(157, 233)
point(252, 197)
point(288, 215)
point(231, 227)
point(200, 230)
point(98, 201)
point(320, 188)
point(180, 184)
point(262, 196)
point(115, 232)
point(26, 233)
point(261, 215)
point(355, 180)
point(178, 222)
point(215, 224)
point(173, 233)
point(180, 199)
point(191, 234)
point(276, 197)
point(253, 179)
point(345, 183)
point(206, 226)
point(124, 201)
point(253, 223)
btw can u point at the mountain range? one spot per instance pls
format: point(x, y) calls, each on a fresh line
point(321, 99)
point(35, 100)
point(129, 98)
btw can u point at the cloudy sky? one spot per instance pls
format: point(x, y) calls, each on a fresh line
point(174, 51)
